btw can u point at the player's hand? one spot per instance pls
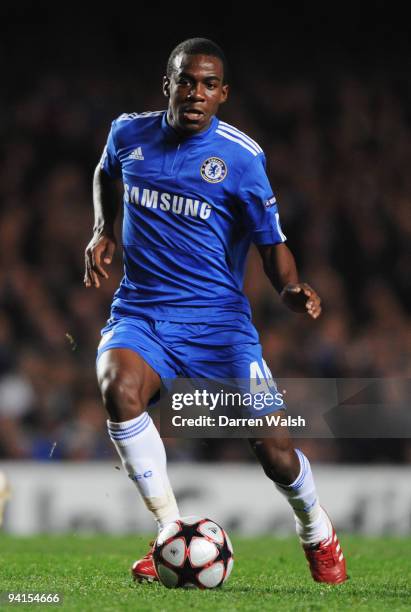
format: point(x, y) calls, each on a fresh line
point(100, 249)
point(301, 297)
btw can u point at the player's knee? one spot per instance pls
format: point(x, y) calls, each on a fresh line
point(122, 394)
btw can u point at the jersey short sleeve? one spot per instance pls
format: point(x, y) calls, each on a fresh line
point(109, 160)
point(259, 203)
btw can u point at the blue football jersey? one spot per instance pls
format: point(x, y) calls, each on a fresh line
point(192, 206)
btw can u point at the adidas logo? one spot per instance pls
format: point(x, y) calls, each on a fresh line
point(136, 154)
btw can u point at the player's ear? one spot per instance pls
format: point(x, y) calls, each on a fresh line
point(224, 93)
point(166, 86)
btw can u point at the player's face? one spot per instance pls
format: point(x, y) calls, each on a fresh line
point(195, 91)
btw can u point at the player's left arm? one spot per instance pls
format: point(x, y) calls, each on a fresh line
point(263, 218)
point(279, 266)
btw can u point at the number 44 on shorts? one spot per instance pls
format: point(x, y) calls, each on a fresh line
point(261, 379)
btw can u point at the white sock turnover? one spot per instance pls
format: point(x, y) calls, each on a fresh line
point(143, 456)
point(312, 523)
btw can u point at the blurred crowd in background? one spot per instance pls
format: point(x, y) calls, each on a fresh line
point(338, 152)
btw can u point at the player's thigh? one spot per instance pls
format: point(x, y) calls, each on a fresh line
point(243, 367)
point(131, 361)
point(126, 379)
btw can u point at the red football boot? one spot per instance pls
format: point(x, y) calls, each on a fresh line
point(326, 560)
point(144, 569)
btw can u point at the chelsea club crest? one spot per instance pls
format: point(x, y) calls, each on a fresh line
point(214, 170)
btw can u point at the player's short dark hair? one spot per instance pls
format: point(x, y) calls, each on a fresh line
point(198, 46)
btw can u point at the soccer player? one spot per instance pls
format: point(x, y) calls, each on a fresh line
point(196, 195)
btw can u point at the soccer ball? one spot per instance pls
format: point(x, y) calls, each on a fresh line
point(193, 552)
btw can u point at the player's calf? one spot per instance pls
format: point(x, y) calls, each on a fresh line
point(277, 457)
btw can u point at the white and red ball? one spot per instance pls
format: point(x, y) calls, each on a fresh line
point(193, 552)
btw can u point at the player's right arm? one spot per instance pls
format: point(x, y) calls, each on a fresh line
point(101, 247)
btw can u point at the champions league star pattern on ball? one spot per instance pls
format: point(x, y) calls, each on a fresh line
point(193, 552)
point(192, 206)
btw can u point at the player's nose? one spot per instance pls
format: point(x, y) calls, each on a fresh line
point(196, 92)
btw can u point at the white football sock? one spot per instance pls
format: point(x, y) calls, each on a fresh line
point(312, 523)
point(144, 458)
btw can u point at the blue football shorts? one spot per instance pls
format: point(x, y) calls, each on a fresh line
point(214, 351)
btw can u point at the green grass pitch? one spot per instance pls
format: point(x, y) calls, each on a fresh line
point(92, 573)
